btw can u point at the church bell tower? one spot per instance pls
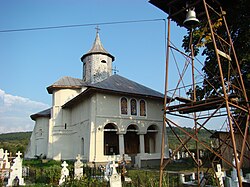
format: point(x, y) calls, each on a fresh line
point(97, 63)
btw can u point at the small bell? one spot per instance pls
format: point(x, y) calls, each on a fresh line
point(191, 21)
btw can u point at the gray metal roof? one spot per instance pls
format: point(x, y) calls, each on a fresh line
point(97, 48)
point(120, 84)
point(44, 113)
point(66, 82)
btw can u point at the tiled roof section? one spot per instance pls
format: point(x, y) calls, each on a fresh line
point(66, 82)
point(44, 113)
point(120, 84)
point(97, 48)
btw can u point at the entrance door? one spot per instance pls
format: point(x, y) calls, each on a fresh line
point(111, 140)
point(131, 141)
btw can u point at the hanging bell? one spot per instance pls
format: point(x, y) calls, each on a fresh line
point(191, 21)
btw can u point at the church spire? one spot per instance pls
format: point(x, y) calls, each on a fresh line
point(97, 62)
point(97, 47)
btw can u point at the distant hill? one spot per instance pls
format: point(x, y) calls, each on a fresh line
point(15, 136)
point(203, 135)
point(18, 141)
point(14, 142)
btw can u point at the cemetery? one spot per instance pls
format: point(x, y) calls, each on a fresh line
point(116, 173)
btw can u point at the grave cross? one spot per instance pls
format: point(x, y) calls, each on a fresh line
point(114, 166)
point(18, 154)
point(219, 174)
point(64, 164)
point(78, 158)
point(5, 155)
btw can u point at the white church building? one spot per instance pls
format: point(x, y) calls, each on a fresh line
point(98, 116)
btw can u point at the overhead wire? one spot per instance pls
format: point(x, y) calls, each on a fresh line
point(80, 25)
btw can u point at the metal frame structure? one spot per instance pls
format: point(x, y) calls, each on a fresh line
point(230, 98)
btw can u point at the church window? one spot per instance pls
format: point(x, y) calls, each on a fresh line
point(103, 61)
point(40, 132)
point(65, 126)
point(82, 147)
point(124, 106)
point(133, 106)
point(142, 108)
point(84, 70)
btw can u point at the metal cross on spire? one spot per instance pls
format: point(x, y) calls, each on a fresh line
point(97, 29)
point(115, 70)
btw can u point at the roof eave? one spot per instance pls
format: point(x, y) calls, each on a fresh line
point(91, 90)
point(51, 88)
point(103, 53)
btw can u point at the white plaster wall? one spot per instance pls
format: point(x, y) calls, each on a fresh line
point(30, 150)
point(67, 140)
point(61, 96)
point(107, 111)
point(95, 70)
point(39, 138)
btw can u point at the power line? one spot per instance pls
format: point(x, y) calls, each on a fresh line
point(80, 25)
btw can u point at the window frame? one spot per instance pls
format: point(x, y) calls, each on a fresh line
point(136, 107)
point(145, 108)
point(120, 102)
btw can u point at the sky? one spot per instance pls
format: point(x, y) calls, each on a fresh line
point(31, 60)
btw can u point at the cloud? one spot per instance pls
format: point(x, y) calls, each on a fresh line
point(15, 112)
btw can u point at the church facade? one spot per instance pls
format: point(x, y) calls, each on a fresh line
point(98, 116)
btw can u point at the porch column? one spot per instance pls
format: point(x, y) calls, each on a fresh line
point(142, 145)
point(121, 144)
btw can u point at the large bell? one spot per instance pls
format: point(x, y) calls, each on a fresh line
point(191, 21)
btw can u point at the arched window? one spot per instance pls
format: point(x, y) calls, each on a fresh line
point(124, 106)
point(142, 108)
point(133, 106)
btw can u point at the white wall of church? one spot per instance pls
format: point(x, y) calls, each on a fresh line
point(39, 139)
point(108, 111)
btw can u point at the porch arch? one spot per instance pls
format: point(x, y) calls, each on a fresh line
point(131, 140)
point(111, 139)
point(150, 139)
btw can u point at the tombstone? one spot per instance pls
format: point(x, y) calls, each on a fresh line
point(233, 180)
point(182, 178)
point(115, 178)
point(193, 155)
point(78, 167)
point(219, 175)
point(6, 163)
point(64, 173)
point(182, 154)
point(228, 182)
point(178, 155)
point(186, 155)
point(1, 158)
point(192, 177)
point(107, 172)
point(202, 179)
point(201, 153)
point(16, 172)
